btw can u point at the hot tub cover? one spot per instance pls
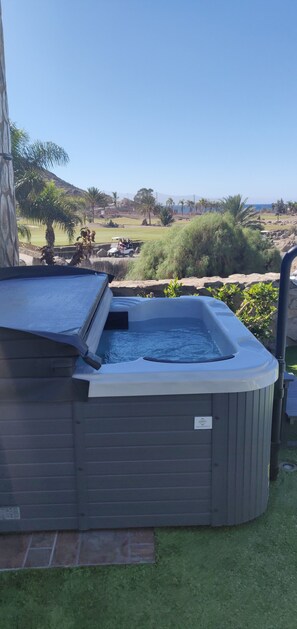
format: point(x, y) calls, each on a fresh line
point(56, 303)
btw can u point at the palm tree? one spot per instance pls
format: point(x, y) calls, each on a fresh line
point(145, 201)
point(170, 203)
point(240, 211)
point(202, 205)
point(9, 254)
point(33, 157)
point(94, 197)
point(24, 231)
point(51, 207)
point(165, 214)
point(182, 203)
point(191, 205)
point(115, 198)
point(29, 162)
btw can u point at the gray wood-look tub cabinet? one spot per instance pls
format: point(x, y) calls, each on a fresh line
point(147, 438)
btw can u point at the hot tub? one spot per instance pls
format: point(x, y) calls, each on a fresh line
point(93, 438)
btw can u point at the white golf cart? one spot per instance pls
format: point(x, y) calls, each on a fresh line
point(120, 248)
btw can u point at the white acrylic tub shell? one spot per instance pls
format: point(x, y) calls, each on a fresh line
point(251, 368)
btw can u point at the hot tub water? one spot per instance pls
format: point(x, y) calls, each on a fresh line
point(161, 339)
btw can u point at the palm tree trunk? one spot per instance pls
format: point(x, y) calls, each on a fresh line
point(9, 252)
point(50, 235)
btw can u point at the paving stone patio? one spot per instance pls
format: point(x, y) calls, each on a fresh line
point(61, 549)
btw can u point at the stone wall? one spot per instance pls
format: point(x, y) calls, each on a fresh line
point(199, 285)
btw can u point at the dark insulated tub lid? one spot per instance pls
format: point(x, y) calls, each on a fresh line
point(57, 303)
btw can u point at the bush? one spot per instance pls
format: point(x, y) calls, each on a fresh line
point(111, 223)
point(174, 288)
point(208, 245)
point(165, 215)
point(254, 306)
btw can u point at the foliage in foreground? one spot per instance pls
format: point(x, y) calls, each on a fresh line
point(174, 288)
point(83, 249)
point(254, 306)
point(213, 244)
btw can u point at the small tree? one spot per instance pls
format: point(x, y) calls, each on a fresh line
point(182, 205)
point(191, 205)
point(94, 197)
point(115, 197)
point(146, 202)
point(279, 207)
point(83, 247)
point(52, 207)
point(165, 215)
point(170, 203)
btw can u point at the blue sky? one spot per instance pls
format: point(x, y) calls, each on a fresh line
point(183, 96)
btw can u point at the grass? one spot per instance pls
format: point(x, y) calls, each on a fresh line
point(230, 578)
point(130, 228)
point(282, 222)
point(291, 359)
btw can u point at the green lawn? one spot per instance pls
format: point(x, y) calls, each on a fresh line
point(237, 578)
point(130, 228)
point(291, 359)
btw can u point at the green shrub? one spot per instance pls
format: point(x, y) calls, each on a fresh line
point(111, 223)
point(209, 245)
point(174, 288)
point(230, 294)
point(257, 309)
point(254, 306)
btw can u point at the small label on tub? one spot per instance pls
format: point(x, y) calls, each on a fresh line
point(203, 423)
point(10, 513)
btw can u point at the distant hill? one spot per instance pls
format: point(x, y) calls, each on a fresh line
point(60, 183)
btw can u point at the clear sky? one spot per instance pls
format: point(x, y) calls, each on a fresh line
point(183, 96)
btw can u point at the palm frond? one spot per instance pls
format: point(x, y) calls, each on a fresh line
point(240, 211)
point(46, 154)
point(24, 231)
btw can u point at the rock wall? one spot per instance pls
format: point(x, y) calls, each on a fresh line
point(199, 285)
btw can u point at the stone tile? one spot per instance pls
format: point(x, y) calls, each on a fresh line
point(38, 558)
point(13, 549)
point(43, 540)
point(142, 536)
point(93, 547)
point(66, 549)
point(142, 553)
point(104, 547)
